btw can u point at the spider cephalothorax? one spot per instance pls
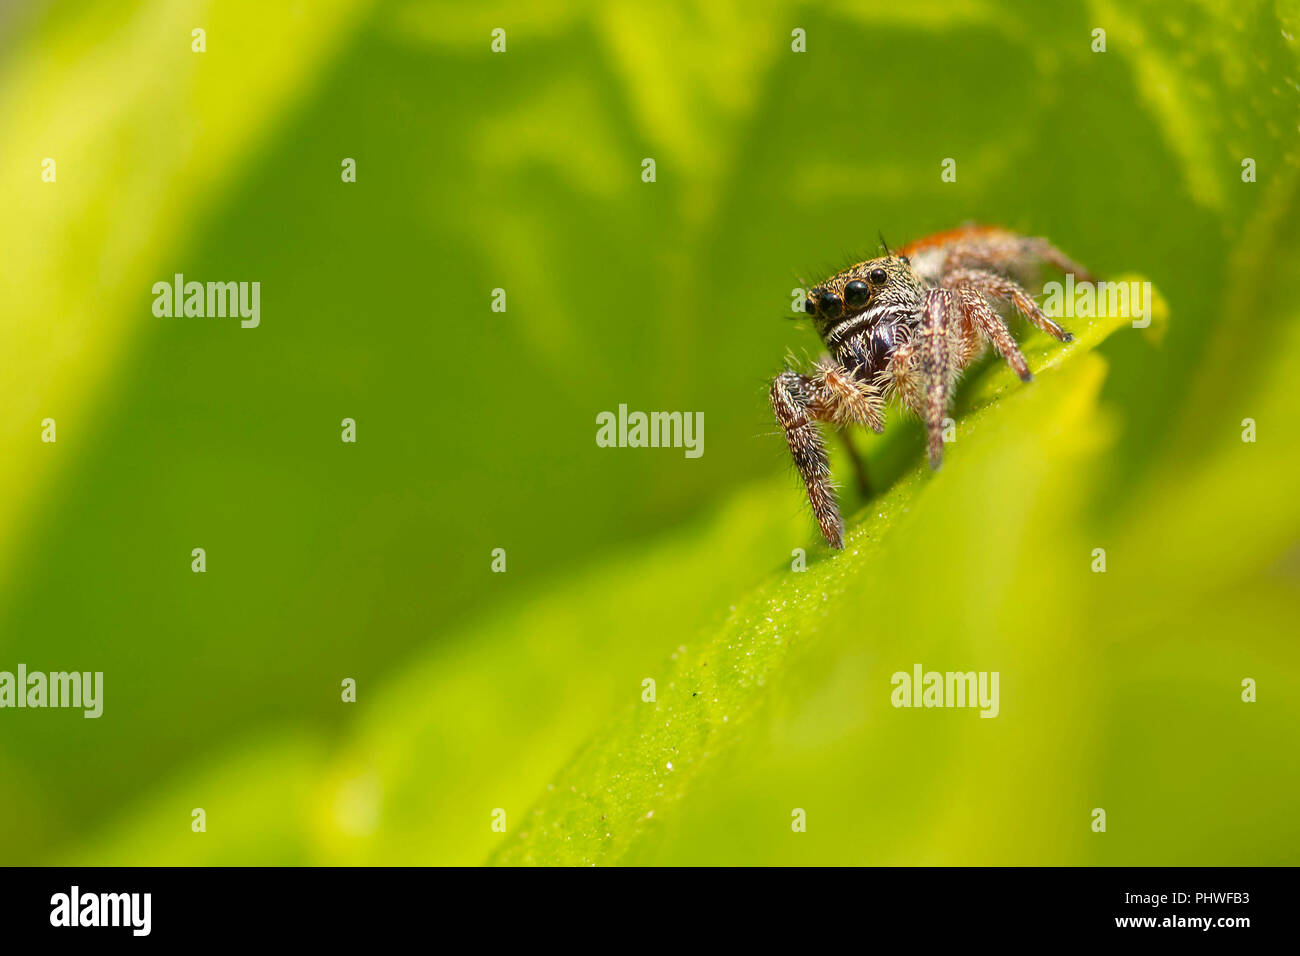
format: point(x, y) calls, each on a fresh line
point(906, 325)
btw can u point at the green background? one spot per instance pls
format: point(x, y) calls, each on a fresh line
point(523, 691)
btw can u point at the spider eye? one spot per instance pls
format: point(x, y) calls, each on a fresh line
point(856, 294)
point(829, 304)
point(878, 276)
point(809, 305)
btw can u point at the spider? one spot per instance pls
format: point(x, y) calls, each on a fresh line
point(906, 324)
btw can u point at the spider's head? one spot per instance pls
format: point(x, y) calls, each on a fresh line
point(877, 286)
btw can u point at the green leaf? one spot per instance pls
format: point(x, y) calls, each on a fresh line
point(523, 691)
point(987, 565)
point(609, 803)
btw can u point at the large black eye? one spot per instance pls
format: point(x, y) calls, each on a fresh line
point(829, 304)
point(856, 294)
point(809, 305)
point(878, 276)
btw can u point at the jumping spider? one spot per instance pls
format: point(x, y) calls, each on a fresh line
point(906, 325)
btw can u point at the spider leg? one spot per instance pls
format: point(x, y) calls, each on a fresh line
point(835, 396)
point(845, 399)
point(1044, 251)
point(991, 284)
point(978, 313)
point(1009, 253)
point(862, 403)
point(937, 360)
point(899, 375)
point(795, 403)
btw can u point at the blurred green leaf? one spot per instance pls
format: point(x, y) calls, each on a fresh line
point(521, 171)
point(804, 662)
